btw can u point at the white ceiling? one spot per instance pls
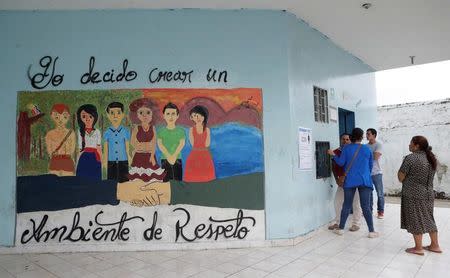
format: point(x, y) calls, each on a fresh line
point(383, 36)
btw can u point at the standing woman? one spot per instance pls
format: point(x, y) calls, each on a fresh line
point(89, 140)
point(416, 175)
point(199, 163)
point(143, 141)
point(357, 160)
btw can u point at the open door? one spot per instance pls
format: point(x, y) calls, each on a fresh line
point(346, 121)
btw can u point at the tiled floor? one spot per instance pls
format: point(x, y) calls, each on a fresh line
point(324, 255)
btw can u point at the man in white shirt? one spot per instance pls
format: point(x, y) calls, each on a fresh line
point(377, 173)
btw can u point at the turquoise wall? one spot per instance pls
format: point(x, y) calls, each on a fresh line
point(271, 50)
point(304, 203)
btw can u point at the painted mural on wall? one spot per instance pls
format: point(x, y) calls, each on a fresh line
point(168, 165)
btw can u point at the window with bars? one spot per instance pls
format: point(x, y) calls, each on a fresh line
point(320, 105)
point(323, 160)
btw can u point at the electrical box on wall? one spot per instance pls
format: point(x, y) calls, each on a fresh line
point(323, 160)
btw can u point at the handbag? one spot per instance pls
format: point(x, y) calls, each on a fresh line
point(341, 179)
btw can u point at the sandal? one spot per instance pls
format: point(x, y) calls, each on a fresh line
point(428, 248)
point(413, 250)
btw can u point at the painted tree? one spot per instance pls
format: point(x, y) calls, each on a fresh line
point(24, 134)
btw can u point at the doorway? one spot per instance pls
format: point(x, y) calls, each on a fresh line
point(346, 121)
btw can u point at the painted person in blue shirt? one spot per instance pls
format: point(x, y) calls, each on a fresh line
point(117, 144)
point(357, 160)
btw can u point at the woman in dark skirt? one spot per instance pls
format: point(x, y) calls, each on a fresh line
point(89, 140)
point(416, 174)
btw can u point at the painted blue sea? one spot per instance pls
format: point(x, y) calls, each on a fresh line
point(236, 149)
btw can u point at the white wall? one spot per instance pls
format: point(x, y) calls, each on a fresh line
point(399, 123)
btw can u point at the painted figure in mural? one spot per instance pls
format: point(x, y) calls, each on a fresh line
point(60, 142)
point(171, 140)
point(116, 144)
point(199, 163)
point(58, 193)
point(89, 142)
point(143, 140)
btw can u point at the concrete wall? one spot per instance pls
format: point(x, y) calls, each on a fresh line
point(315, 61)
point(399, 123)
point(271, 50)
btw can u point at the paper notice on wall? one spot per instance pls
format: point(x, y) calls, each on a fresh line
point(305, 155)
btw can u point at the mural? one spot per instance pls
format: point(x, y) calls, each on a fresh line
point(140, 165)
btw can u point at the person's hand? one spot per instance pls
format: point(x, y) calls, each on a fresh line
point(138, 193)
point(330, 152)
point(151, 198)
point(171, 159)
point(152, 160)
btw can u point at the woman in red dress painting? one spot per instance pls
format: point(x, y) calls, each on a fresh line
point(143, 141)
point(199, 164)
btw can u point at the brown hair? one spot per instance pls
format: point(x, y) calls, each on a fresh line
point(142, 102)
point(422, 142)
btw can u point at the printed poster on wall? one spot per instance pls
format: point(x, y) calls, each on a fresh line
point(305, 155)
point(141, 165)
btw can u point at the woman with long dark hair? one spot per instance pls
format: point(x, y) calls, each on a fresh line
point(416, 175)
point(199, 163)
point(89, 141)
point(357, 160)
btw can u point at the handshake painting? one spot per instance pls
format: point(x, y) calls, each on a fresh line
point(146, 147)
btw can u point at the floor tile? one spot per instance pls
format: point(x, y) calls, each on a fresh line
point(229, 268)
point(37, 273)
point(266, 266)
point(249, 273)
point(323, 255)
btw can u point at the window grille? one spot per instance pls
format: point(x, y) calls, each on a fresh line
point(320, 105)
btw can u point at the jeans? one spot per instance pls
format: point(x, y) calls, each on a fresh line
point(364, 198)
point(339, 200)
point(378, 184)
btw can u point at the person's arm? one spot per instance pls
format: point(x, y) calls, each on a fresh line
point(50, 193)
point(134, 141)
point(163, 148)
point(153, 141)
point(179, 148)
point(335, 169)
point(376, 155)
point(377, 152)
point(153, 147)
point(80, 141)
point(98, 139)
point(341, 160)
point(370, 160)
point(191, 136)
point(71, 144)
point(208, 137)
point(404, 169)
point(230, 192)
point(50, 144)
point(105, 154)
point(127, 149)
